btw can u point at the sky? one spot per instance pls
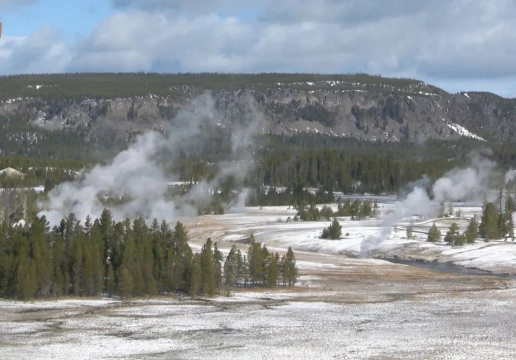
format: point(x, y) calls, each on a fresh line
point(458, 45)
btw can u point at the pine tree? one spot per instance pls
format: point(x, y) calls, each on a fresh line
point(488, 228)
point(170, 282)
point(125, 283)
point(25, 276)
point(158, 251)
point(195, 280)
point(106, 227)
point(434, 234)
point(451, 233)
point(471, 231)
point(273, 271)
point(409, 232)
point(242, 276)
point(59, 267)
point(111, 283)
point(183, 257)
point(208, 276)
point(264, 260)
point(334, 231)
point(147, 267)
point(290, 271)
point(256, 270)
point(40, 254)
point(459, 239)
point(76, 261)
point(231, 267)
point(217, 255)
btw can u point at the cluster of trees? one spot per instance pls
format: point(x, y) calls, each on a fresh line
point(453, 236)
point(495, 223)
point(357, 210)
point(338, 170)
point(333, 232)
point(288, 196)
point(38, 172)
point(259, 267)
point(125, 258)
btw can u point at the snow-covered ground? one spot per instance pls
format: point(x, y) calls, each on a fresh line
point(275, 227)
point(434, 326)
point(341, 308)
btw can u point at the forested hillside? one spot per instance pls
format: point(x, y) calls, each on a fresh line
point(93, 116)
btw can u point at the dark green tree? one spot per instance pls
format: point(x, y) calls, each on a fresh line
point(434, 234)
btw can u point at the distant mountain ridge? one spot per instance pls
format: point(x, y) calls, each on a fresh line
point(111, 108)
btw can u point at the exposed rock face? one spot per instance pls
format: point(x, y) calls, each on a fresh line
point(368, 113)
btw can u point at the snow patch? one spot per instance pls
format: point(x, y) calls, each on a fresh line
point(462, 131)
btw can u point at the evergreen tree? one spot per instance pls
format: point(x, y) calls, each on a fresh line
point(111, 283)
point(254, 261)
point(264, 259)
point(488, 228)
point(471, 231)
point(125, 283)
point(195, 280)
point(25, 274)
point(290, 271)
point(76, 261)
point(231, 267)
point(207, 262)
point(106, 233)
point(434, 234)
point(59, 267)
point(40, 254)
point(409, 232)
point(334, 231)
point(273, 270)
point(451, 233)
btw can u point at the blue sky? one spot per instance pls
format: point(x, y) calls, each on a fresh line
point(75, 18)
point(459, 45)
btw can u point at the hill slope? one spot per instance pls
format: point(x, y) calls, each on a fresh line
point(106, 110)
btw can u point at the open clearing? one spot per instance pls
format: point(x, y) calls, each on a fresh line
point(341, 308)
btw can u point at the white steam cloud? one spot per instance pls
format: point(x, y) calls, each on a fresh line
point(137, 174)
point(474, 183)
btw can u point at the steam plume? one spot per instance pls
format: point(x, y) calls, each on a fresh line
point(473, 183)
point(137, 173)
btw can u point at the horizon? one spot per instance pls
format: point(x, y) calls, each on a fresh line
point(454, 45)
point(250, 74)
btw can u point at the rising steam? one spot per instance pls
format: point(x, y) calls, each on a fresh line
point(137, 174)
point(473, 183)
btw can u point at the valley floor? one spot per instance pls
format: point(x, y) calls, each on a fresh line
point(341, 308)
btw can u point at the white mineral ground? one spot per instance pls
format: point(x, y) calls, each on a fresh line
point(341, 308)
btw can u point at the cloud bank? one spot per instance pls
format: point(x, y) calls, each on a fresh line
point(459, 41)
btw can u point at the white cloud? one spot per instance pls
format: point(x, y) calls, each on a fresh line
point(461, 41)
point(38, 53)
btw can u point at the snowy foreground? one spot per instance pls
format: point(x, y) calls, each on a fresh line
point(264, 326)
point(341, 308)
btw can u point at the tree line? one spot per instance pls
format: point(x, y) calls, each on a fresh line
point(127, 258)
point(496, 222)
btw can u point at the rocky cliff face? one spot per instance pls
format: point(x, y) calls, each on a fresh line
point(355, 111)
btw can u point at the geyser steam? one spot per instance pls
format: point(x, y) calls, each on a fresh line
point(473, 183)
point(137, 173)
